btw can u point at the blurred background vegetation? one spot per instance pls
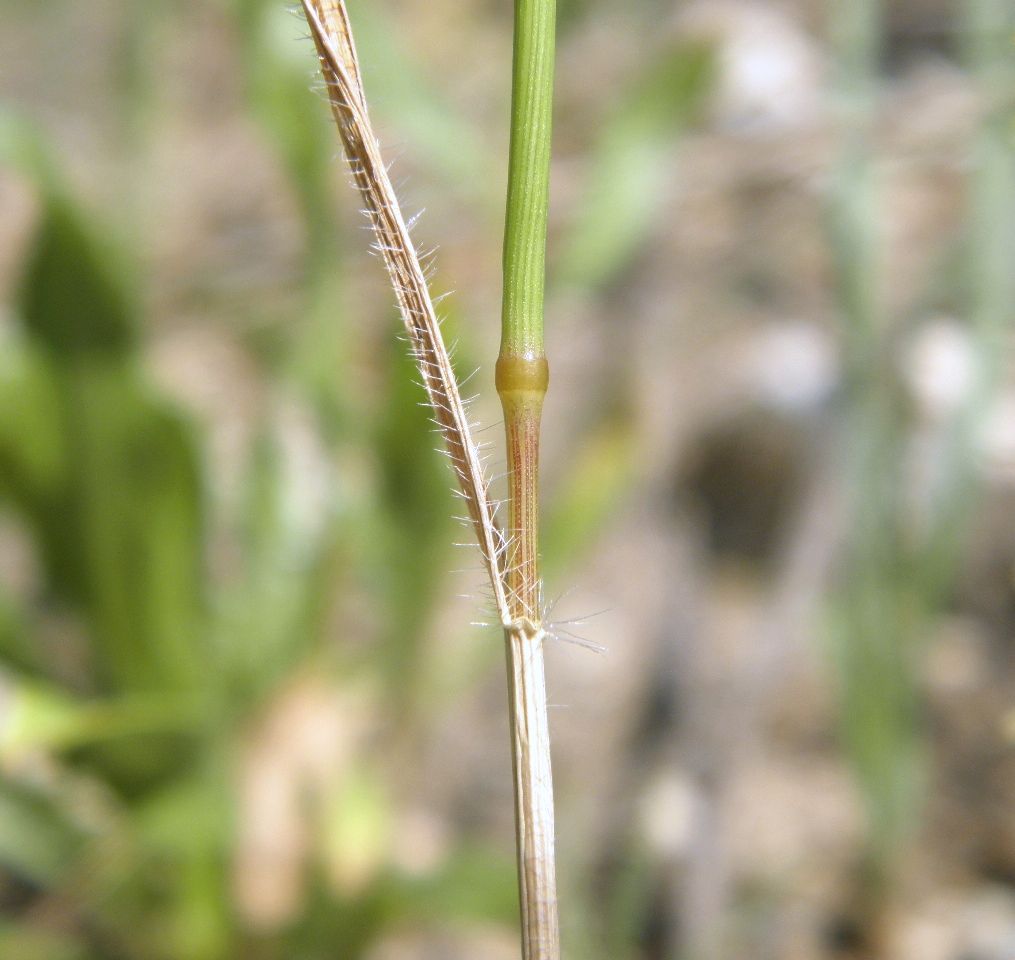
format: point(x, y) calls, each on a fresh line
point(242, 713)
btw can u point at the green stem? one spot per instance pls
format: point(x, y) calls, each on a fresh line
point(528, 179)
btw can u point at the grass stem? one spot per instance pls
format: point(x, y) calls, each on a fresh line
point(521, 383)
point(528, 189)
point(522, 378)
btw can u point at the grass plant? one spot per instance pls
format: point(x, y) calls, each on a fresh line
point(511, 558)
point(159, 601)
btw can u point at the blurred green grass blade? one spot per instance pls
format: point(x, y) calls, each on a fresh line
point(631, 164)
point(19, 650)
point(32, 456)
point(203, 928)
point(272, 615)
point(630, 908)
point(187, 829)
point(109, 472)
point(73, 298)
point(875, 655)
point(135, 501)
point(192, 814)
point(36, 841)
point(278, 85)
point(39, 717)
point(414, 506)
point(878, 615)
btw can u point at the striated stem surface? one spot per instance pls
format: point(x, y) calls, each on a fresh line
point(522, 378)
point(530, 751)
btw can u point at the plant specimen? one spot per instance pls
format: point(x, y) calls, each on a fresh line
point(510, 557)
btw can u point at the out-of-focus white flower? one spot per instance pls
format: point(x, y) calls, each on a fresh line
point(792, 365)
point(769, 69)
point(939, 366)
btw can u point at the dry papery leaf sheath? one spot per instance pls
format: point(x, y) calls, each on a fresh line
point(330, 28)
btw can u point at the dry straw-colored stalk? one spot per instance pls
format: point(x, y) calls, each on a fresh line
point(509, 561)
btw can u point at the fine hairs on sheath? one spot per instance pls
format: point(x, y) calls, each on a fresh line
point(509, 559)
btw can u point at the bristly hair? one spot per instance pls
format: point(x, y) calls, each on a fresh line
point(530, 737)
point(329, 26)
